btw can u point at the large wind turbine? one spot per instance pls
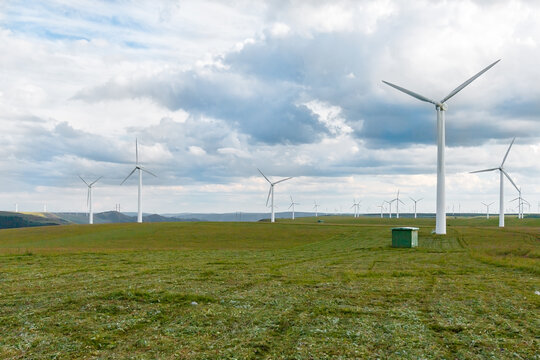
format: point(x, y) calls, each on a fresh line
point(501, 183)
point(397, 200)
point(487, 209)
point(141, 169)
point(441, 107)
point(415, 201)
point(89, 199)
point(271, 192)
point(292, 205)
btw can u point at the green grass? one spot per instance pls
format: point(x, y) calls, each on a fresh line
point(335, 290)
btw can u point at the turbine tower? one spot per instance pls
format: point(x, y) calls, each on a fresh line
point(271, 192)
point(441, 107)
point(292, 205)
point(316, 207)
point(397, 200)
point(415, 201)
point(89, 199)
point(487, 209)
point(141, 169)
point(501, 183)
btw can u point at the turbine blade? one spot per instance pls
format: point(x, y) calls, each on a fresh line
point(509, 178)
point(411, 93)
point(268, 198)
point(127, 177)
point(292, 201)
point(412, 199)
point(479, 171)
point(460, 87)
point(95, 181)
point(146, 171)
point(514, 199)
point(419, 199)
point(401, 201)
point(83, 180)
point(290, 206)
point(282, 180)
point(507, 151)
point(264, 175)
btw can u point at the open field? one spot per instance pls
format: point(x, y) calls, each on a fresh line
point(304, 290)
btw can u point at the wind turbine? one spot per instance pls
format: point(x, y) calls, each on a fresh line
point(521, 202)
point(415, 201)
point(141, 169)
point(501, 183)
point(397, 200)
point(89, 199)
point(441, 107)
point(316, 207)
point(356, 206)
point(292, 205)
point(271, 192)
point(382, 208)
point(389, 208)
point(487, 209)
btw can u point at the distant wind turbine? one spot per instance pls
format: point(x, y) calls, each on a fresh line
point(501, 183)
point(89, 199)
point(316, 207)
point(389, 208)
point(397, 200)
point(441, 107)
point(521, 202)
point(415, 201)
point(141, 169)
point(356, 206)
point(487, 209)
point(292, 205)
point(271, 192)
point(382, 208)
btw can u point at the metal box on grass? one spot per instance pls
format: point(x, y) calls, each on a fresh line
point(405, 237)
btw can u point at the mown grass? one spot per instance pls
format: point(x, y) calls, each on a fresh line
point(298, 290)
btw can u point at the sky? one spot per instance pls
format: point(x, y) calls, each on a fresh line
point(213, 90)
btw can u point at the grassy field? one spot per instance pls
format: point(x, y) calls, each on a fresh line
point(290, 290)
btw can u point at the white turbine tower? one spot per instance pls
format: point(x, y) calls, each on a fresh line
point(271, 192)
point(141, 169)
point(292, 205)
point(441, 107)
point(487, 209)
point(397, 200)
point(316, 207)
point(415, 201)
point(89, 199)
point(501, 183)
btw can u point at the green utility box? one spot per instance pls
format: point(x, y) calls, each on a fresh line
point(405, 237)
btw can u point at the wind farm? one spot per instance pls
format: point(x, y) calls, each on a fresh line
point(293, 206)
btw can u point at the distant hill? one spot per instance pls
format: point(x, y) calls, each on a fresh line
point(15, 220)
